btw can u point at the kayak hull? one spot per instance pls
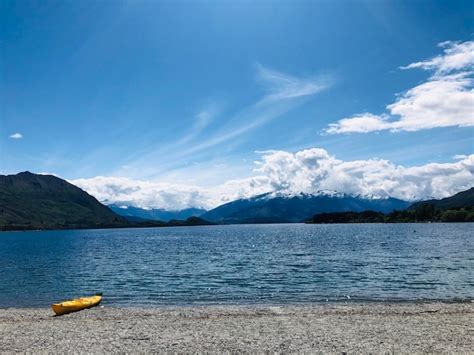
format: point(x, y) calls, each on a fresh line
point(76, 305)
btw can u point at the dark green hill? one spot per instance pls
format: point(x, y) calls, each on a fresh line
point(457, 208)
point(191, 221)
point(459, 200)
point(31, 201)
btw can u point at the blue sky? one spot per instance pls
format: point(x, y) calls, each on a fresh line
point(187, 92)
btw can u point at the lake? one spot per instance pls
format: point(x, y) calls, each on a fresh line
point(239, 264)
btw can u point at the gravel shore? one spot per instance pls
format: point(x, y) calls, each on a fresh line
point(375, 328)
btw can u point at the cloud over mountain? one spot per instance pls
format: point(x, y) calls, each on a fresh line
point(141, 193)
point(307, 171)
point(445, 99)
point(315, 169)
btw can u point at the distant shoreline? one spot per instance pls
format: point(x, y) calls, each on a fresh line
point(378, 327)
point(148, 224)
point(215, 224)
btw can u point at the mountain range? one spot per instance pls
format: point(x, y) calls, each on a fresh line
point(31, 201)
point(155, 213)
point(289, 208)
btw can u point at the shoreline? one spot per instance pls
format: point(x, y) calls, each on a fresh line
point(211, 224)
point(320, 303)
point(332, 327)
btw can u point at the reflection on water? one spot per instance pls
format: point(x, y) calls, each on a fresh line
point(239, 264)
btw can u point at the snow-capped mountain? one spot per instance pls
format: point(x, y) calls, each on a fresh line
point(282, 207)
point(155, 213)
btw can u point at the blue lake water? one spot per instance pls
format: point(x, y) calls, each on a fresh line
point(240, 264)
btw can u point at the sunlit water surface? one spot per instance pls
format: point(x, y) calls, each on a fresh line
point(241, 264)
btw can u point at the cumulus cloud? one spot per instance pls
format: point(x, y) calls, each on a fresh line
point(141, 193)
point(169, 196)
point(16, 136)
point(456, 56)
point(445, 99)
point(360, 123)
point(315, 169)
point(308, 171)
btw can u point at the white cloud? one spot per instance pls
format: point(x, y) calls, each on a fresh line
point(314, 169)
point(284, 86)
point(457, 56)
point(143, 194)
point(16, 136)
point(283, 92)
point(361, 123)
point(307, 171)
point(459, 156)
point(202, 119)
point(281, 89)
point(445, 99)
point(169, 196)
point(441, 102)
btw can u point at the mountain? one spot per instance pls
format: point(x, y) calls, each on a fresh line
point(31, 201)
point(459, 200)
point(191, 221)
point(155, 214)
point(281, 208)
point(457, 208)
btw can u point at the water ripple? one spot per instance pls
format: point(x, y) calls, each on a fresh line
point(239, 264)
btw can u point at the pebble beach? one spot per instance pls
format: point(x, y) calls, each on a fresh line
point(375, 328)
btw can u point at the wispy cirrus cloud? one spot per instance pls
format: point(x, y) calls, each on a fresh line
point(283, 92)
point(16, 136)
point(282, 86)
point(202, 120)
point(445, 99)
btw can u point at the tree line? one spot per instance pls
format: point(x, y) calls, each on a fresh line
point(422, 213)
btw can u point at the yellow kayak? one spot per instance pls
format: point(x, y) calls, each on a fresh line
point(76, 304)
